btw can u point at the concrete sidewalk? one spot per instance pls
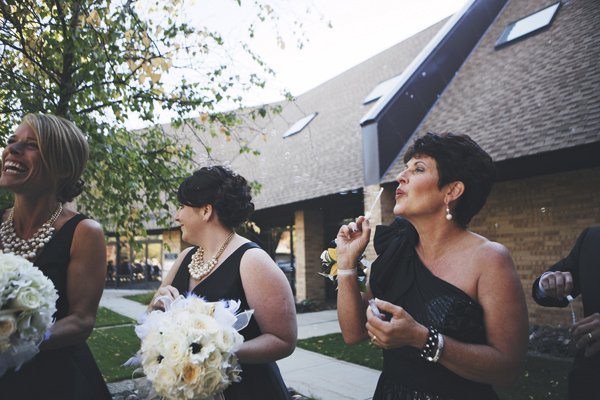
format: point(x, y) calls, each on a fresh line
point(310, 374)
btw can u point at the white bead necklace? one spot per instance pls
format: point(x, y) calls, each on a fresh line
point(29, 248)
point(198, 268)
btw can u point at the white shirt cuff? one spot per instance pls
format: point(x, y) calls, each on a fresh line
point(541, 292)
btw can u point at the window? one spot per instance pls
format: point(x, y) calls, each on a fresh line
point(299, 125)
point(382, 89)
point(527, 25)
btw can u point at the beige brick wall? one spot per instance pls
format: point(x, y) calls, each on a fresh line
point(538, 220)
point(307, 249)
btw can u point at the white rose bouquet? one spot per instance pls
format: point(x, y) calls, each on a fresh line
point(27, 303)
point(188, 350)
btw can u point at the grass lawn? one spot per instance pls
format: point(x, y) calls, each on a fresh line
point(113, 342)
point(542, 378)
point(106, 317)
point(143, 298)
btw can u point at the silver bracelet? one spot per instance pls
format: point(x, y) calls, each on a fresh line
point(342, 272)
point(440, 347)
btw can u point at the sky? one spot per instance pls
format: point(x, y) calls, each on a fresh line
point(359, 30)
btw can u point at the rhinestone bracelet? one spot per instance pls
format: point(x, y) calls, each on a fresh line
point(428, 351)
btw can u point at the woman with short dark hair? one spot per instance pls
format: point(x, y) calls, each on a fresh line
point(223, 265)
point(454, 320)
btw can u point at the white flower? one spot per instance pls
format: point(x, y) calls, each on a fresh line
point(27, 304)
point(187, 351)
point(27, 298)
point(325, 257)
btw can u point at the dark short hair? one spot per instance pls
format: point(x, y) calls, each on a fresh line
point(459, 158)
point(227, 192)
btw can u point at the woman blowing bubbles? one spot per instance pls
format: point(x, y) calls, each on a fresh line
point(224, 265)
point(455, 319)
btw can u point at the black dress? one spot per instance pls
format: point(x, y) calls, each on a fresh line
point(259, 381)
point(68, 373)
point(399, 277)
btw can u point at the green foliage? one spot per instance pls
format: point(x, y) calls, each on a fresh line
point(100, 63)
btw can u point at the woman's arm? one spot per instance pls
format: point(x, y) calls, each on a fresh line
point(86, 274)
point(269, 294)
point(501, 296)
point(352, 239)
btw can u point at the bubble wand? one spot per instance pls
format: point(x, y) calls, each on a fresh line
point(369, 214)
point(570, 298)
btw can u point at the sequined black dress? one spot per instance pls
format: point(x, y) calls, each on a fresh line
point(259, 381)
point(68, 373)
point(399, 277)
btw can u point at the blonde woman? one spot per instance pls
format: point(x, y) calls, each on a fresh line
point(42, 165)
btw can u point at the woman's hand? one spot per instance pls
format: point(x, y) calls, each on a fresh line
point(587, 334)
point(400, 330)
point(158, 301)
point(352, 240)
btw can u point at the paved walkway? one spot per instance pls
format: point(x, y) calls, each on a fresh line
point(310, 374)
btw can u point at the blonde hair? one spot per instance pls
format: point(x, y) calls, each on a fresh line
point(64, 152)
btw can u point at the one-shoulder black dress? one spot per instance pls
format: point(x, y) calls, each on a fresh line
point(68, 373)
point(259, 381)
point(399, 277)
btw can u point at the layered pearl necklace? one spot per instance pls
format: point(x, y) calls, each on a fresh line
point(198, 268)
point(29, 248)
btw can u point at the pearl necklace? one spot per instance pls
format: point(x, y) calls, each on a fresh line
point(13, 244)
point(198, 268)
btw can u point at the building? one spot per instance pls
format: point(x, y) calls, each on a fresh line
point(529, 95)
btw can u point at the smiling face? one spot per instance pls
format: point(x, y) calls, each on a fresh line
point(418, 193)
point(190, 219)
point(22, 165)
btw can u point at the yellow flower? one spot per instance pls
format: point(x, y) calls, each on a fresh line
point(333, 271)
point(332, 254)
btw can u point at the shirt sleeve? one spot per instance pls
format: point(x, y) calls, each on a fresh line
point(567, 264)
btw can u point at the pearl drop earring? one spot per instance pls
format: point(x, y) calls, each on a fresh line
point(448, 215)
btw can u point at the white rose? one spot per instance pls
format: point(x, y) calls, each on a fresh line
point(238, 340)
point(225, 340)
point(202, 322)
point(176, 347)
point(214, 360)
point(211, 381)
point(199, 306)
point(165, 380)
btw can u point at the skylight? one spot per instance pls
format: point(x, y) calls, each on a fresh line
point(527, 25)
point(382, 89)
point(299, 125)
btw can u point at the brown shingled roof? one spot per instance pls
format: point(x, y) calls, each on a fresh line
point(325, 157)
point(539, 95)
